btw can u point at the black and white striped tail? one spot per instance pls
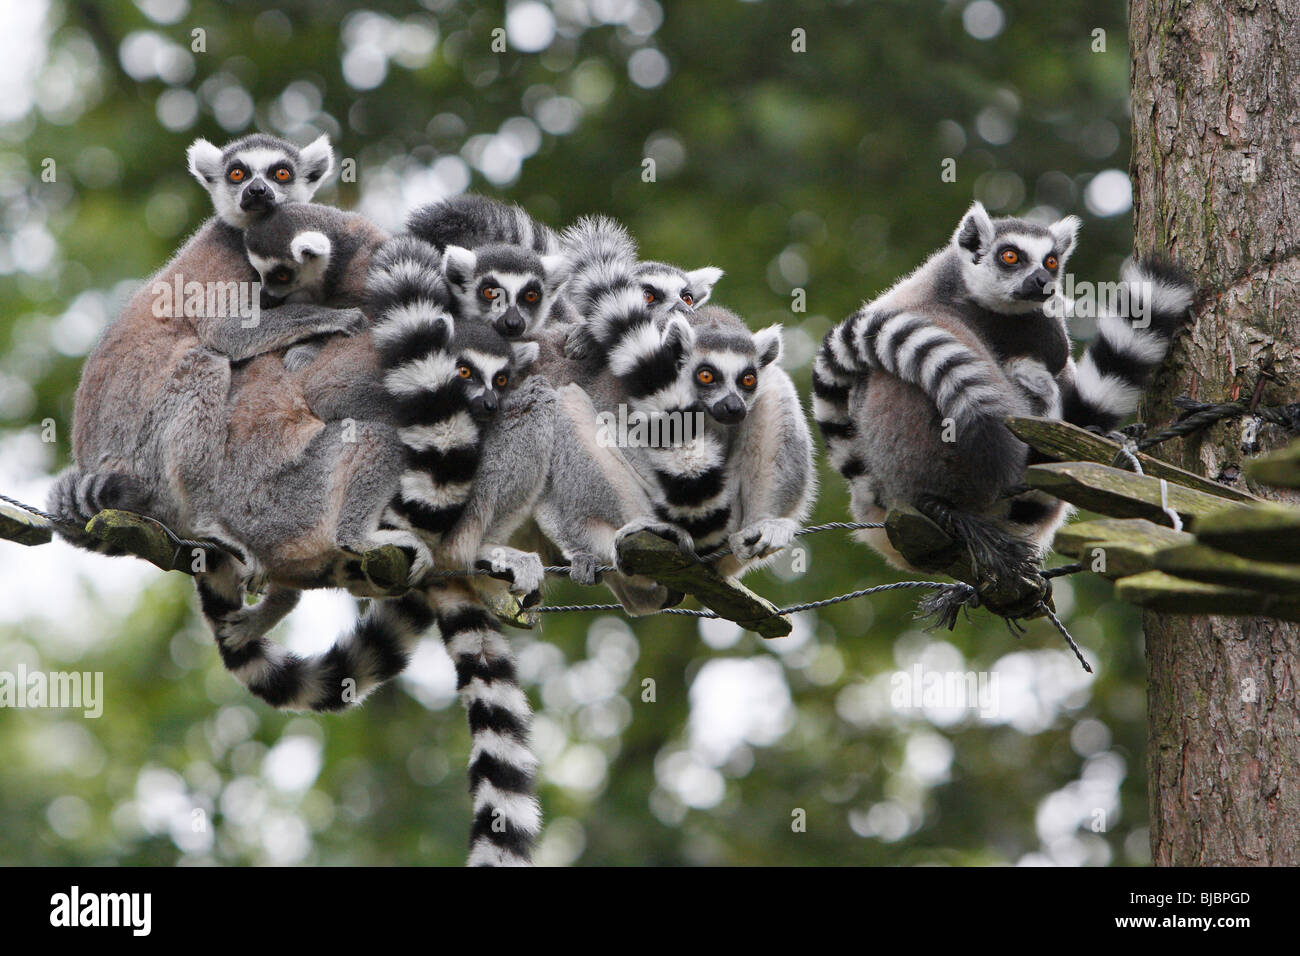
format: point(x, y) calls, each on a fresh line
point(472, 221)
point(373, 652)
point(413, 334)
point(831, 385)
point(1130, 344)
point(77, 496)
point(502, 768)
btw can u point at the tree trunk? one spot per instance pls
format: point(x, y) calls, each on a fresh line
point(1216, 177)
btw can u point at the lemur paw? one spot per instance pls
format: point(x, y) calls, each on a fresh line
point(300, 356)
point(521, 570)
point(685, 543)
point(763, 538)
point(578, 344)
point(582, 568)
point(352, 322)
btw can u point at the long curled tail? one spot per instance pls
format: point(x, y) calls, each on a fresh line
point(831, 385)
point(1132, 340)
point(373, 652)
point(472, 221)
point(502, 768)
point(77, 496)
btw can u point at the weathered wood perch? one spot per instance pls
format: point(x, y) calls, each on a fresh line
point(1118, 547)
point(1280, 468)
point(24, 528)
point(1062, 441)
point(661, 560)
point(1120, 494)
point(925, 545)
point(1167, 594)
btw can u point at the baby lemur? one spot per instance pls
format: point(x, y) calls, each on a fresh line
point(911, 391)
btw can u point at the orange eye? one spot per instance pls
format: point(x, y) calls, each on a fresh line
point(749, 380)
point(688, 298)
point(236, 175)
point(649, 297)
point(1051, 263)
point(464, 371)
point(531, 296)
point(491, 292)
point(705, 376)
point(502, 380)
point(282, 175)
point(1010, 256)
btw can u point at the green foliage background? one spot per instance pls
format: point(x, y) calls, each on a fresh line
point(819, 170)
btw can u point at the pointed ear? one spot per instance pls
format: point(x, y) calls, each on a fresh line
point(525, 353)
point(556, 269)
point(458, 266)
point(441, 329)
point(678, 339)
point(974, 234)
point(307, 245)
point(702, 282)
point(1064, 233)
point(316, 161)
point(770, 344)
point(204, 161)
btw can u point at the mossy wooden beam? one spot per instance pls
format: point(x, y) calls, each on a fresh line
point(22, 527)
point(1267, 531)
point(1199, 562)
point(1119, 494)
point(1280, 468)
point(1158, 591)
point(1062, 441)
point(661, 560)
point(1115, 547)
point(145, 538)
point(925, 545)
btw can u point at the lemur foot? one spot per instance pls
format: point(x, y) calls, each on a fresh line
point(521, 570)
point(684, 542)
point(300, 356)
point(763, 538)
point(389, 570)
point(582, 568)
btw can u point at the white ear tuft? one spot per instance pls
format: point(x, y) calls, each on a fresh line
point(770, 344)
point(309, 244)
point(702, 282)
point(974, 234)
point(316, 161)
point(458, 265)
point(525, 353)
point(1065, 232)
point(556, 269)
point(204, 161)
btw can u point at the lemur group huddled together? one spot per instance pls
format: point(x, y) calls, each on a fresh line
point(439, 389)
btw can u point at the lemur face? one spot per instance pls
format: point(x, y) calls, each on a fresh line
point(486, 364)
point(1012, 266)
point(292, 264)
point(253, 175)
point(508, 286)
point(673, 289)
point(724, 367)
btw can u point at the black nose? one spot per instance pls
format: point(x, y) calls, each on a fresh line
point(483, 406)
point(728, 410)
point(268, 301)
point(511, 324)
point(1037, 283)
point(258, 188)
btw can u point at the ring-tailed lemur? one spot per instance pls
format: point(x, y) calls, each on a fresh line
point(607, 282)
point(511, 287)
point(911, 392)
point(472, 221)
point(147, 414)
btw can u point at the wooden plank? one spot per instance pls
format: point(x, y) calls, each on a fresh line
point(1167, 594)
point(927, 546)
point(1280, 468)
point(23, 527)
point(1119, 494)
point(1198, 562)
point(1117, 548)
point(143, 537)
point(1267, 531)
point(660, 559)
point(1063, 441)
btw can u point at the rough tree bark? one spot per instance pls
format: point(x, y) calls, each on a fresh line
point(1216, 174)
